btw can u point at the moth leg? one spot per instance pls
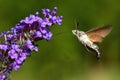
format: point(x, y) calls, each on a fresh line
point(87, 48)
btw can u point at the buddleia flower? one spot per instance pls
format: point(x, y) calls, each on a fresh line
point(17, 43)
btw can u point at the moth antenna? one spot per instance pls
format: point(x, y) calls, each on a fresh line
point(76, 24)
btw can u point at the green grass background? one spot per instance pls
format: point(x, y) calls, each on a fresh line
point(64, 57)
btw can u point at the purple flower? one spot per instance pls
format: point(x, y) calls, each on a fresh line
point(16, 48)
point(20, 59)
point(31, 19)
point(9, 36)
point(38, 33)
point(46, 12)
point(16, 66)
point(3, 47)
point(47, 36)
point(2, 77)
point(18, 43)
point(29, 45)
point(12, 53)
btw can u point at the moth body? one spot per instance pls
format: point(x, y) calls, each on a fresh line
point(89, 38)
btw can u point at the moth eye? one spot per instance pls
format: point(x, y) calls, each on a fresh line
point(76, 31)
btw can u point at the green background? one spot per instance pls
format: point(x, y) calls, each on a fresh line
point(64, 57)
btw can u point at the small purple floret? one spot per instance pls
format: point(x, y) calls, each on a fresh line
point(12, 54)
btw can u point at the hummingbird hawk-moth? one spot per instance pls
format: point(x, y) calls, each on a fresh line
point(89, 38)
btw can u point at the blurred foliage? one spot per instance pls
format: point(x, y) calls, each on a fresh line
point(64, 57)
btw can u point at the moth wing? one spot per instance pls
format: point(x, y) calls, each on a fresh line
point(97, 34)
point(95, 38)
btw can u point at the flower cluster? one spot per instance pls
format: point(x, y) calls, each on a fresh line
point(16, 44)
